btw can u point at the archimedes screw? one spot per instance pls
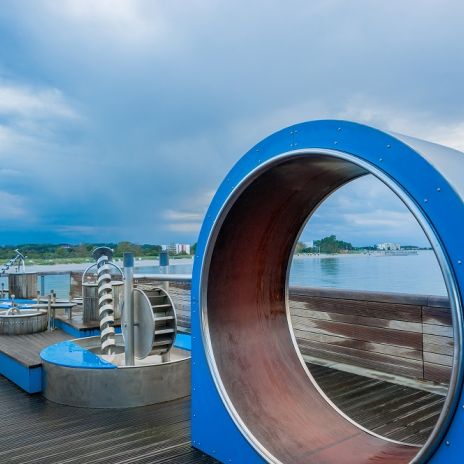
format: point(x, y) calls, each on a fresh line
point(105, 299)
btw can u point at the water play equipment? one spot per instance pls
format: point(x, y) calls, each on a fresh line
point(140, 366)
point(17, 320)
point(249, 382)
point(18, 259)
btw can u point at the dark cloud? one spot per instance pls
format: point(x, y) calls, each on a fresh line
point(118, 119)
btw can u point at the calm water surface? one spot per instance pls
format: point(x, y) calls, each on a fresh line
point(418, 274)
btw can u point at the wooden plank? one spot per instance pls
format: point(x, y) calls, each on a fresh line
point(371, 334)
point(359, 344)
point(439, 345)
point(26, 348)
point(33, 430)
point(306, 347)
point(358, 320)
point(357, 295)
point(391, 407)
point(441, 330)
point(373, 361)
point(399, 312)
point(437, 372)
point(438, 301)
point(436, 316)
point(441, 359)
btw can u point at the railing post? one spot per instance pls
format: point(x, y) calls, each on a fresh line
point(42, 285)
point(51, 322)
point(129, 308)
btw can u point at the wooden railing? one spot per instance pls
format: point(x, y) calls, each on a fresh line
point(398, 334)
point(403, 335)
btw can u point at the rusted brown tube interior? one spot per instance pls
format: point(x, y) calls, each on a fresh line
point(251, 342)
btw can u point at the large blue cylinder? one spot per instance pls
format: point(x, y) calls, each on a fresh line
point(249, 383)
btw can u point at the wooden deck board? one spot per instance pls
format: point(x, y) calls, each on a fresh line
point(34, 430)
point(78, 323)
point(395, 411)
point(26, 348)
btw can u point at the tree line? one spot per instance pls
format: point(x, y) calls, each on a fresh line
point(328, 245)
point(83, 250)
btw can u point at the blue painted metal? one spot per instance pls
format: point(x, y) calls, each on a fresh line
point(438, 199)
point(70, 354)
point(79, 333)
point(28, 378)
point(164, 258)
point(183, 341)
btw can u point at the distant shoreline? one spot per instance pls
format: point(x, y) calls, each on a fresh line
point(346, 255)
point(68, 267)
point(140, 262)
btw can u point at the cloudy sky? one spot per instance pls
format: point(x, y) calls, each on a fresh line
point(119, 119)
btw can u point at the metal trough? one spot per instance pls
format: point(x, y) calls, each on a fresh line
point(76, 374)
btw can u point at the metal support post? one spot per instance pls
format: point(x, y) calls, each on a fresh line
point(51, 322)
point(129, 308)
point(70, 308)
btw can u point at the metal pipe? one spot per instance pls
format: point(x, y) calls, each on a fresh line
point(166, 277)
point(129, 308)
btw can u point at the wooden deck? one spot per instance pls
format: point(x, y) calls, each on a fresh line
point(34, 430)
point(393, 411)
point(26, 349)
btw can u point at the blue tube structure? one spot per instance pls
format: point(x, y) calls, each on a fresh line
point(253, 400)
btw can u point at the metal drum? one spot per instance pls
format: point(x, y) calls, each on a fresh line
point(23, 322)
point(90, 300)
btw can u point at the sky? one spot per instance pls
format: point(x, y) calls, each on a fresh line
point(119, 119)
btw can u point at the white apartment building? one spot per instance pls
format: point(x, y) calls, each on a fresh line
point(177, 248)
point(388, 246)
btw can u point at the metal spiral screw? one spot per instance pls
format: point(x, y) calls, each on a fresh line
point(105, 299)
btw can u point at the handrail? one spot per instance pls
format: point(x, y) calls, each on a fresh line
point(165, 277)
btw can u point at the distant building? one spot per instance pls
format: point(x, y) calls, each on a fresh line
point(388, 246)
point(177, 248)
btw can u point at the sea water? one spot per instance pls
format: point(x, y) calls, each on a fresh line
point(418, 273)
